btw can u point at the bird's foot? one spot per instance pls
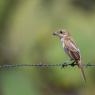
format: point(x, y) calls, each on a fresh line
point(64, 65)
point(73, 64)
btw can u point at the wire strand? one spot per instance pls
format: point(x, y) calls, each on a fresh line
point(44, 65)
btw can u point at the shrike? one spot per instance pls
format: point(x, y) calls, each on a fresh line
point(70, 48)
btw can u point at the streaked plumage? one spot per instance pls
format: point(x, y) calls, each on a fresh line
point(70, 48)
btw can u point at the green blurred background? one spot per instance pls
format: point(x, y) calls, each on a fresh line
point(26, 28)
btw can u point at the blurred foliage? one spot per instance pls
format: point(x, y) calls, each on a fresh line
point(26, 28)
point(87, 5)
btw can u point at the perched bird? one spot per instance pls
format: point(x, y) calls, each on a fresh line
point(70, 48)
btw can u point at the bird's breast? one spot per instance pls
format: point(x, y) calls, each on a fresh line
point(62, 41)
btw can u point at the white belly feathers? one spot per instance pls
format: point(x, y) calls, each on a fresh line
point(62, 41)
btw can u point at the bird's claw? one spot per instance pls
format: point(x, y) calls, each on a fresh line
point(73, 64)
point(64, 65)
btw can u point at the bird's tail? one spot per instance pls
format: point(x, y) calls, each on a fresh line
point(82, 70)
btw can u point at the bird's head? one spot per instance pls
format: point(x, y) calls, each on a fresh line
point(61, 33)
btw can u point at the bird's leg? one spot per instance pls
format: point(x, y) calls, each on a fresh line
point(65, 64)
point(73, 63)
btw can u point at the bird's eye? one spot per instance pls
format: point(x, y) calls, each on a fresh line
point(61, 32)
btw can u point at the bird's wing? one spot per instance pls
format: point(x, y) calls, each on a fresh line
point(73, 51)
point(70, 45)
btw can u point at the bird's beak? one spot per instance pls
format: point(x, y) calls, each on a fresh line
point(55, 34)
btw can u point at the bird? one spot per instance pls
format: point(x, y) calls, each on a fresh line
point(70, 48)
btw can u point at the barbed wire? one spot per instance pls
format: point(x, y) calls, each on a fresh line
point(44, 65)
